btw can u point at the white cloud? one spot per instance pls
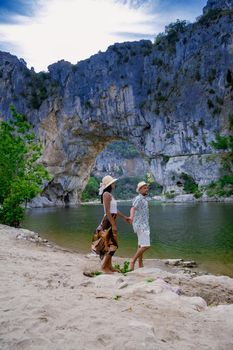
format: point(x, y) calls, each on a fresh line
point(73, 30)
point(76, 29)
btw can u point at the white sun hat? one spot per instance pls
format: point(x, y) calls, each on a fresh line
point(140, 184)
point(106, 181)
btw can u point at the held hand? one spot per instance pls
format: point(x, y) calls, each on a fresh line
point(128, 219)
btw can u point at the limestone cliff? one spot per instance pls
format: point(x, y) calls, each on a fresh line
point(168, 99)
point(120, 159)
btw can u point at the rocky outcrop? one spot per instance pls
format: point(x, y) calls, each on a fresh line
point(217, 5)
point(167, 99)
point(120, 161)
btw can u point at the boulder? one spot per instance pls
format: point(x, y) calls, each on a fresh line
point(173, 262)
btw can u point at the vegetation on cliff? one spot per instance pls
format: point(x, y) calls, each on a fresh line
point(224, 143)
point(168, 39)
point(122, 149)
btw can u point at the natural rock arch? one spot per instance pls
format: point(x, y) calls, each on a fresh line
point(167, 99)
point(71, 149)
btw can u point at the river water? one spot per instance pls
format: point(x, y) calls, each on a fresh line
point(200, 231)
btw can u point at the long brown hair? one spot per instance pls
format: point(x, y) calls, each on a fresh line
point(107, 189)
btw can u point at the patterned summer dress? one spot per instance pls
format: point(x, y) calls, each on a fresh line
point(141, 220)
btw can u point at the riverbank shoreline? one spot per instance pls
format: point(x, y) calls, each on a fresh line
point(43, 202)
point(189, 198)
point(47, 302)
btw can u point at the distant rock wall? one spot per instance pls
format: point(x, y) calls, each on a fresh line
point(120, 160)
point(168, 100)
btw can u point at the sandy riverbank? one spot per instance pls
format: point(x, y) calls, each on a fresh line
point(47, 303)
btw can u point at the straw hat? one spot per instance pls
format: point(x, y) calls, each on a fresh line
point(106, 181)
point(140, 184)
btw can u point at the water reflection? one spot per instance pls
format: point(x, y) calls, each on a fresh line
point(203, 232)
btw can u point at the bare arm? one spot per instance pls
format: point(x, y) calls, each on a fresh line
point(126, 218)
point(132, 213)
point(106, 200)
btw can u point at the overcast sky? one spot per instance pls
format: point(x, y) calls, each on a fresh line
point(45, 31)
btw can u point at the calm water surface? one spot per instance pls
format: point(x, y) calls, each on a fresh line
point(201, 232)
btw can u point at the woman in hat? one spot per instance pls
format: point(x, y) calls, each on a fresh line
point(109, 222)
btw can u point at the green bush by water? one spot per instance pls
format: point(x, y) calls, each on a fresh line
point(190, 186)
point(21, 176)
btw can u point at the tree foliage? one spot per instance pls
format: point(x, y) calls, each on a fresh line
point(21, 175)
point(212, 15)
point(224, 143)
point(190, 186)
point(171, 33)
point(91, 190)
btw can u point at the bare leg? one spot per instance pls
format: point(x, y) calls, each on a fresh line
point(140, 261)
point(139, 253)
point(111, 253)
point(107, 263)
point(111, 267)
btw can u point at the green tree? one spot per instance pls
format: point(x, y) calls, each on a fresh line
point(21, 175)
point(171, 33)
point(224, 143)
point(91, 190)
point(190, 185)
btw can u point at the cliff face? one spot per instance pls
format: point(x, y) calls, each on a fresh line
point(167, 99)
point(120, 159)
point(217, 4)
